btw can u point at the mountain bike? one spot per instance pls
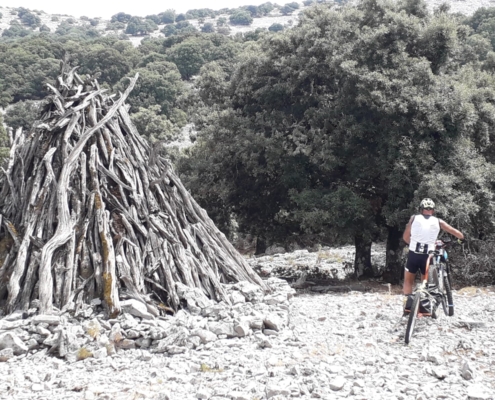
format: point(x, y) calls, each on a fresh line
point(441, 277)
point(435, 288)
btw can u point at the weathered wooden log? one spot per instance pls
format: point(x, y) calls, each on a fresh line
point(91, 210)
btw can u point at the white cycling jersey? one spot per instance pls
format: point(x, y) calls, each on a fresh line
point(424, 233)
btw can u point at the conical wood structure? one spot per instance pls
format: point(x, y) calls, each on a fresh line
point(88, 210)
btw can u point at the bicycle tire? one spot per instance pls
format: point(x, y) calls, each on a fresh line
point(442, 272)
point(433, 277)
point(450, 298)
point(413, 315)
point(442, 279)
point(449, 274)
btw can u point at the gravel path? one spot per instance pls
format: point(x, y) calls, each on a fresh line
point(335, 345)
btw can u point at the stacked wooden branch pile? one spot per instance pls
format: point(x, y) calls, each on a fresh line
point(88, 210)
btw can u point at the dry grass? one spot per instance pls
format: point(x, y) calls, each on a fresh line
point(206, 368)
point(83, 353)
point(93, 330)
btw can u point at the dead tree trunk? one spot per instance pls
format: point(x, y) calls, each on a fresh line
point(87, 206)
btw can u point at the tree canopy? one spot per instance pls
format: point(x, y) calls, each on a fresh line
point(333, 128)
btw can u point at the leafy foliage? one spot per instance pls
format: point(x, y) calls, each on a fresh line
point(152, 125)
point(276, 27)
point(241, 17)
point(4, 142)
point(22, 115)
point(337, 127)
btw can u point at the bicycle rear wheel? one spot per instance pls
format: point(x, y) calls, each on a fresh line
point(450, 298)
point(412, 317)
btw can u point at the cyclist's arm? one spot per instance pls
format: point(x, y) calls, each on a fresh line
point(407, 232)
point(449, 229)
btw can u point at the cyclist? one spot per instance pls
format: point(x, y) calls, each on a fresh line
point(420, 234)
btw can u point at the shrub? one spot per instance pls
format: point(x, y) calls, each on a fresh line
point(208, 28)
point(223, 30)
point(121, 17)
point(30, 19)
point(241, 17)
point(475, 265)
point(287, 10)
point(169, 30)
point(276, 27)
point(167, 17)
point(115, 26)
point(222, 21)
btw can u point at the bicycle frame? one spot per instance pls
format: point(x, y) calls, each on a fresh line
point(440, 275)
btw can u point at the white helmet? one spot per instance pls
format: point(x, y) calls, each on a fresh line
point(427, 203)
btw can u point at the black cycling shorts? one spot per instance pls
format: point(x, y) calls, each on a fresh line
point(416, 262)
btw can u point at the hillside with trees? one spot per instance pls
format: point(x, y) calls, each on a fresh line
point(329, 130)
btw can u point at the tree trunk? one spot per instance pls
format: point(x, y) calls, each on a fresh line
point(362, 261)
point(394, 265)
point(260, 246)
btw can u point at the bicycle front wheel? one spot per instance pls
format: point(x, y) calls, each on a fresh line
point(450, 298)
point(412, 317)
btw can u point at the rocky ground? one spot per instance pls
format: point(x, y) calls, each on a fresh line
point(286, 344)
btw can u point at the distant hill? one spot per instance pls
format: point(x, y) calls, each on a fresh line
point(53, 21)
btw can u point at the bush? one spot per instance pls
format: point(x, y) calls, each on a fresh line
point(121, 17)
point(287, 10)
point(55, 18)
point(266, 8)
point(30, 19)
point(167, 17)
point(475, 265)
point(155, 18)
point(293, 5)
point(169, 30)
point(15, 30)
point(22, 115)
point(241, 17)
point(276, 27)
point(222, 21)
point(44, 28)
point(223, 30)
point(208, 28)
point(115, 26)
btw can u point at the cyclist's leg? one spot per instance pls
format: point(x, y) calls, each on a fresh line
point(422, 266)
point(410, 271)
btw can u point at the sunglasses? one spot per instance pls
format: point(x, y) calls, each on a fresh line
point(428, 208)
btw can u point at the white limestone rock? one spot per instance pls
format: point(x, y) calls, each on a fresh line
point(136, 308)
point(10, 340)
point(46, 319)
point(337, 383)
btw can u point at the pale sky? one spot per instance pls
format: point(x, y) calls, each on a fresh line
point(105, 9)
